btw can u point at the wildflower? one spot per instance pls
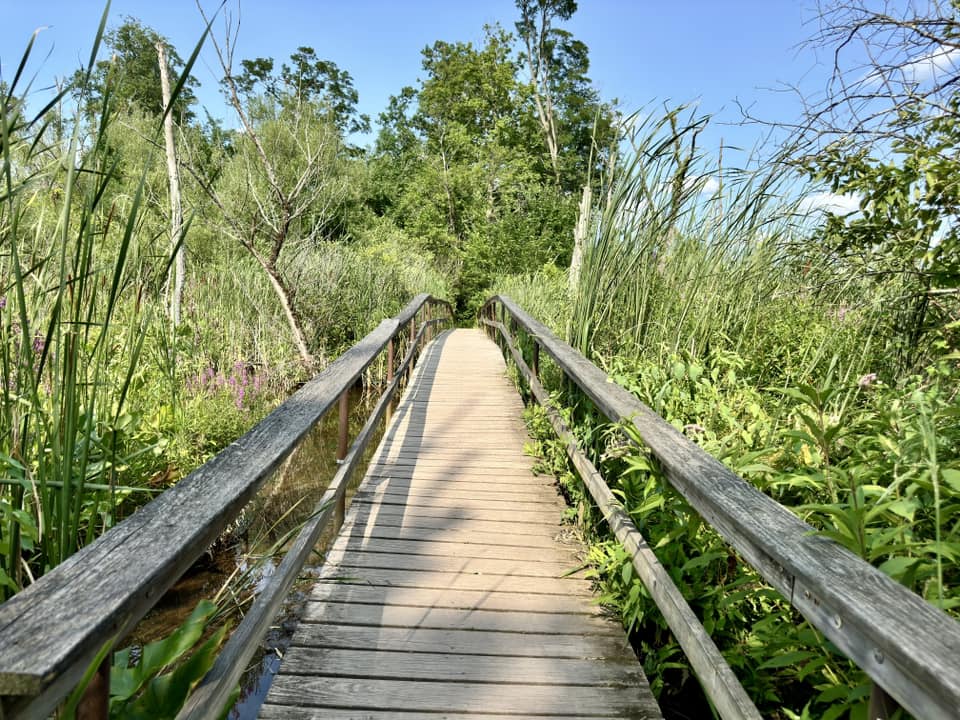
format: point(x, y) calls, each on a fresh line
point(3, 301)
point(38, 343)
point(867, 380)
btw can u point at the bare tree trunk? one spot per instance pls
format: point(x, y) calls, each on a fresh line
point(542, 99)
point(173, 173)
point(580, 237)
point(283, 295)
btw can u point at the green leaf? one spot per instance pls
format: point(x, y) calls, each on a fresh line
point(897, 567)
point(790, 658)
point(951, 476)
point(126, 682)
point(166, 694)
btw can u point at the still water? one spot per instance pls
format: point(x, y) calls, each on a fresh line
point(244, 558)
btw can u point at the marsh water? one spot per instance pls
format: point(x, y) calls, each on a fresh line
point(247, 554)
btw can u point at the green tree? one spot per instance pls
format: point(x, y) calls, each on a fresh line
point(905, 241)
point(306, 78)
point(132, 75)
point(578, 129)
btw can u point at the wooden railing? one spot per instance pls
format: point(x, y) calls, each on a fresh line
point(55, 629)
point(909, 648)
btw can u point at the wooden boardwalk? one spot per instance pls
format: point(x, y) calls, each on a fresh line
point(449, 592)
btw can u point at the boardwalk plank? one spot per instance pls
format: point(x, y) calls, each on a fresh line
point(432, 618)
point(450, 591)
point(468, 668)
point(451, 598)
point(431, 697)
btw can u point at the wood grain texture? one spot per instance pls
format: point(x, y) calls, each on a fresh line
point(431, 697)
point(285, 712)
point(52, 630)
point(716, 677)
point(905, 644)
point(450, 590)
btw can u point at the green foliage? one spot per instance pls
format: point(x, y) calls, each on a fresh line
point(307, 79)
point(71, 333)
point(904, 242)
point(131, 78)
point(158, 683)
point(462, 166)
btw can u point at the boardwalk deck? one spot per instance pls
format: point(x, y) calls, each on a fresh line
point(449, 592)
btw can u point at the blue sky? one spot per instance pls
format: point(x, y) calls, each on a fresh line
point(642, 52)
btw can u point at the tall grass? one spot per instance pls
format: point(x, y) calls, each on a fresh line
point(688, 256)
point(76, 297)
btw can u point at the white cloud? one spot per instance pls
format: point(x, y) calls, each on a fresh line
point(830, 203)
point(932, 66)
point(705, 184)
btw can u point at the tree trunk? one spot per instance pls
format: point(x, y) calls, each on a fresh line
point(286, 303)
point(173, 174)
point(580, 237)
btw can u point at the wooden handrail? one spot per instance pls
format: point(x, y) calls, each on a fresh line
point(54, 629)
point(908, 647)
point(716, 677)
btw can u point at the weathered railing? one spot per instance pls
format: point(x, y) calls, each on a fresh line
point(909, 648)
point(55, 629)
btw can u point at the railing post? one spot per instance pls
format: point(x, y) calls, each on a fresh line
point(390, 376)
point(342, 430)
point(535, 359)
point(881, 706)
point(95, 703)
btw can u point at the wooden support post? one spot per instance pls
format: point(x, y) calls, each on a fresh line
point(344, 425)
point(390, 376)
point(95, 703)
point(882, 706)
point(535, 360)
point(342, 431)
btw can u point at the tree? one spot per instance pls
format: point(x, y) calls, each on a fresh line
point(887, 131)
point(132, 74)
point(578, 129)
point(173, 173)
point(306, 79)
point(458, 164)
point(278, 187)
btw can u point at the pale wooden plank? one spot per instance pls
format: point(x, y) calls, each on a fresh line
point(516, 621)
point(432, 697)
point(461, 581)
point(453, 512)
point(518, 486)
point(442, 563)
point(439, 530)
point(460, 642)
point(453, 520)
point(428, 548)
point(286, 712)
point(550, 507)
point(478, 491)
point(451, 598)
point(470, 668)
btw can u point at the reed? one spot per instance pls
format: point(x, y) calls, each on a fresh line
point(78, 292)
